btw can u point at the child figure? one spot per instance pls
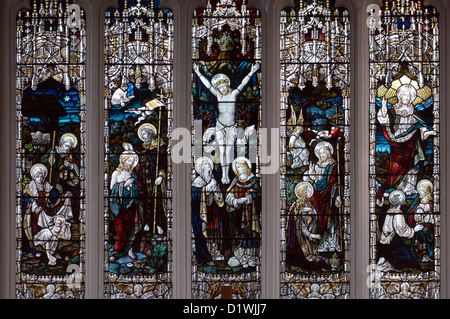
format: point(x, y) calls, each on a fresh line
point(49, 237)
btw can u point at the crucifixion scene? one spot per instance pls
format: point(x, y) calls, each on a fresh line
point(226, 186)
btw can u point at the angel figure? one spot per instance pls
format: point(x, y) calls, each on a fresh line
point(145, 110)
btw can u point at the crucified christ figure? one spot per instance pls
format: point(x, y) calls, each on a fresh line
point(226, 127)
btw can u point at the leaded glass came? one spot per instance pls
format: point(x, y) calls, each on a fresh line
point(404, 152)
point(315, 161)
point(226, 179)
point(50, 193)
point(138, 169)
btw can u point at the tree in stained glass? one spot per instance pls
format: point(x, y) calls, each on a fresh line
point(138, 170)
point(50, 146)
point(226, 186)
point(404, 152)
point(315, 117)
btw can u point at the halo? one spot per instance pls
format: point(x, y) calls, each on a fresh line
point(219, 78)
point(38, 167)
point(240, 159)
point(309, 189)
point(390, 94)
point(394, 194)
point(144, 126)
point(410, 88)
point(323, 144)
point(422, 182)
point(71, 136)
point(129, 153)
point(199, 162)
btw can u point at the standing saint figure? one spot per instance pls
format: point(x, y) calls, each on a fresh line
point(405, 133)
point(243, 201)
point(326, 198)
point(126, 212)
point(151, 175)
point(226, 127)
point(63, 165)
point(207, 204)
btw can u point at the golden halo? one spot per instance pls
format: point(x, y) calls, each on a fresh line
point(143, 126)
point(422, 182)
point(199, 162)
point(323, 144)
point(390, 94)
point(72, 137)
point(309, 189)
point(38, 167)
point(240, 159)
point(129, 153)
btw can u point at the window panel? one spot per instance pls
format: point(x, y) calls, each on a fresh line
point(404, 152)
point(315, 169)
point(226, 177)
point(404, 167)
point(51, 149)
point(138, 168)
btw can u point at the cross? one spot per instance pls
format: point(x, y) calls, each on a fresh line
point(337, 116)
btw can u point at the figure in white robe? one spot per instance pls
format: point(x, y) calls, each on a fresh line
point(58, 229)
point(46, 218)
point(226, 126)
point(298, 150)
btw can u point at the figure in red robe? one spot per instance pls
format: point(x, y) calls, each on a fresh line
point(326, 198)
point(405, 133)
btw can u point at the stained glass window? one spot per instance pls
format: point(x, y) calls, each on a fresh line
point(226, 177)
point(404, 151)
point(50, 193)
point(138, 169)
point(315, 118)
